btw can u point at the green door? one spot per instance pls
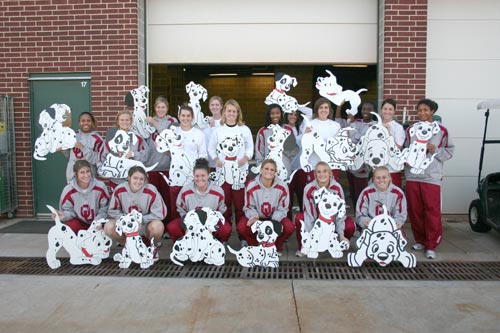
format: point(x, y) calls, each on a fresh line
point(73, 89)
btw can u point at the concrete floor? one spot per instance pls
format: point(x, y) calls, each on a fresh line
point(112, 304)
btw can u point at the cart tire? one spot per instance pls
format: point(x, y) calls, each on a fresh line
point(476, 219)
point(11, 215)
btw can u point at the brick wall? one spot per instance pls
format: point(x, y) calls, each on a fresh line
point(96, 36)
point(404, 52)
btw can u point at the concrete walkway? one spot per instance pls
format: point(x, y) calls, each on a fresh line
point(112, 304)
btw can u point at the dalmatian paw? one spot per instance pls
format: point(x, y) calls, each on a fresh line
point(54, 264)
point(336, 254)
point(417, 171)
point(344, 245)
point(237, 186)
point(351, 260)
point(118, 257)
point(312, 254)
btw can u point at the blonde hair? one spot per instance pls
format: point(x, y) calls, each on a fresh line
point(123, 112)
point(161, 99)
point(322, 163)
point(218, 98)
point(239, 117)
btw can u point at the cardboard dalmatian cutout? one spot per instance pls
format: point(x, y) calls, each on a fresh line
point(275, 144)
point(140, 103)
point(322, 237)
point(134, 250)
point(382, 242)
point(338, 151)
point(181, 168)
point(57, 134)
point(377, 148)
point(416, 154)
point(283, 83)
point(199, 243)
point(116, 165)
point(87, 247)
point(331, 90)
point(265, 254)
point(197, 93)
point(230, 172)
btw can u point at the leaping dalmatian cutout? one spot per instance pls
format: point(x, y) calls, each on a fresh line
point(116, 165)
point(338, 151)
point(322, 237)
point(283, 83)
point(331, 90)
point(197, 93)
point(265, 254)
point(181, 168)
point(230, 172)
point(199, 243)
point(416, 154)
point(382, 242)
point(89, 246)
point(57, 134)
point(377, 148)
point(140, 126)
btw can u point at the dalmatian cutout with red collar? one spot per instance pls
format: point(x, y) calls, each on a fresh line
point(283, 83)
point(230, 172)
point(416, 154)
point(197, 93)
point(139, 125)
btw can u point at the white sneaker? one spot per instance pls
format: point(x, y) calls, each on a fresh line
point(243, 243)
point(430, 254)
point(418, 247)
point(299, 254)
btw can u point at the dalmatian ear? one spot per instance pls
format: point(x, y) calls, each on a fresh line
point(364, 238)
point(239, 141)
point(118, 228)
point(255, 226)
point(137, 215)
point(189, 86)
point(294, 82)
point(412, 131)
point(400, 238)
point(219, 148)
point(435, 127)
point(205, 94)
point(133, 138)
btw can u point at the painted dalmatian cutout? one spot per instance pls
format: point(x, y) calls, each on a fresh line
point(416, 154)
point(87, 247)
point(322, 236)
point(377, 148)
point(57, 134)
point(181, 168)
point(283, 83)
point(196, 93)
point(140, 126)
point(383, 242)
point(265, 254)
point(338, 151)
point(275, 144)
point(230, 172)
point(199, 243)
point(329, 89)
point(134, 250)
point(115, 164)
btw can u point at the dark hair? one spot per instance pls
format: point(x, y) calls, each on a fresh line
point(268, 160)
point(186, 107)
point(81, 164)
point(298, 122)
point(268, 113)
point(389, 101)
point(137, 168)
point(201, 163)
point(430, 103)
point(320, 101)
point(91, 118)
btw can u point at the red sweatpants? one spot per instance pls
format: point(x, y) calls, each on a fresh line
point(76, 225)
point(350, 227)
point(296, 186)
point(246, 233)
point(397, 179)
point(173, 194)
point(424, 210)
point(175, 230)
point(233, 196)
point(154, 178)
point(356, 186)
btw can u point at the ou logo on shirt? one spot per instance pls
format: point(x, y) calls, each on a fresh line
point(379, 210)
point(87, 213)
point(266, 209)
point(131, 208)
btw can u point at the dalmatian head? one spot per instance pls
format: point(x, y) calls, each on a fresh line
point(329, 88)
point(46, 118)
point(276, 141)
point(129, 223)
point(265, 231)
point(341, 148)
point(284, 82)
point(329, 203)
point(377, 131)
point(62, 114)
point(168, 139)
point(94, 241)
point(196, 91)
point(376, 153)
point(212, 219)
point(424, 130)
point(140, 97)
point(230, 146)
point(121, 142)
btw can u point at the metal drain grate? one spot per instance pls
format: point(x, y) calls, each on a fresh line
point(288, 270)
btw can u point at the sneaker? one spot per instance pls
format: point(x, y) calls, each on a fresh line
point(417, 247)
point(156, 255)
point(243, 243)
point(430, 254)
point(299, 254)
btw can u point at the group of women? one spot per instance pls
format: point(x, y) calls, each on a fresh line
point(265, 196)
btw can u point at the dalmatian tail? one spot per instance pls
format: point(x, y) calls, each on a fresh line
point(151, 167)
point(53, 211)
point(232, 251)
point(291, 176)
point(174, 259)
point(38, 157)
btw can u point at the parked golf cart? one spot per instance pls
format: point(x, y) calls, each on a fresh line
point(484, 213)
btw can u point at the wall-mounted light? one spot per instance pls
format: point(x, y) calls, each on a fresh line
point(263, 74)
point(351, 65)
point(223, 74)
